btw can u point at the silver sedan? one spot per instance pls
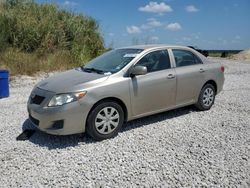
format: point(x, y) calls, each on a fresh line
point(122, 85)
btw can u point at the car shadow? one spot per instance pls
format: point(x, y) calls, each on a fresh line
point(60, 142)
point(141, 122)
point(53, 141)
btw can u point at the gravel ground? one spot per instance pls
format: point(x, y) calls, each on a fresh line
point(180, 148)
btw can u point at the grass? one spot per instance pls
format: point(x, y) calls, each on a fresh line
point(219, 54)
point(43, 37)
point(214, 54)
point(22, 63)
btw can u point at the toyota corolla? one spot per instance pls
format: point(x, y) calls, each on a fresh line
point(122, 85)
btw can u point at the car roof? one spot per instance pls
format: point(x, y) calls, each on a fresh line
point(157, 46)
point(152, 46)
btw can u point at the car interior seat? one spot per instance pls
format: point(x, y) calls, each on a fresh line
point(186, 60)
point(163, 63)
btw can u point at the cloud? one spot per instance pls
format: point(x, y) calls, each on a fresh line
point(151, 40)
point(69, 3)
point(154, 7)
point(196, 35)
point(133, 29)
point(237, 37)
point(191, 8)
point(154, 23)
point(186, 39)
point(154, 39)
point(151, 23)
point(174, 26)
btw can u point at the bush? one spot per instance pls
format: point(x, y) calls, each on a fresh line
point(19, 62)
point(44, 31)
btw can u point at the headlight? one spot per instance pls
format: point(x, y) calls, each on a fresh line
point(65, 98)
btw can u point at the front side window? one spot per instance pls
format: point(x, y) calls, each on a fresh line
point(185, 58)
point(112, 61)
point(156, 61)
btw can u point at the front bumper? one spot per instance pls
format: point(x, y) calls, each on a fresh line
point(71, 117)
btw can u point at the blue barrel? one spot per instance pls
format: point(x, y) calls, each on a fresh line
point(4, 83)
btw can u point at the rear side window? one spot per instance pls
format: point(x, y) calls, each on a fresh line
point(156, 61)
point(185, 58)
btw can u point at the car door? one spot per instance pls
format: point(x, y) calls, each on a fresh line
point(155, 90)
point(190, 76)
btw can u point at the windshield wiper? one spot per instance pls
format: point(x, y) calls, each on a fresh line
point(92, 70)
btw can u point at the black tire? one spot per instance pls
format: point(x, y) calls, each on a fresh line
point(91, 128)
point(200, 103)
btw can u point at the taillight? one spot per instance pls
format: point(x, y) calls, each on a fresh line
point(222, 68)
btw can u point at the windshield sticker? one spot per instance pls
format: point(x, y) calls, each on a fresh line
point(130, 55)
point(118, 67)
point(107, 73)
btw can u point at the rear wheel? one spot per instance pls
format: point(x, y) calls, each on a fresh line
point(206, 97)
point(105, 120)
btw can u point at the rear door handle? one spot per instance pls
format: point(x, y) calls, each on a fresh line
point(202, 70)
point(171, 76)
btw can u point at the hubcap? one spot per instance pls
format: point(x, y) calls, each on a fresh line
point(208, 97)
point(107, 120)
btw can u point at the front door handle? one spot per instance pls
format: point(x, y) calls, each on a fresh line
point(202, 70)
point(171, 76)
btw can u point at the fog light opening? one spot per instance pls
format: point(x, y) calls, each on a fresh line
point(57, 124)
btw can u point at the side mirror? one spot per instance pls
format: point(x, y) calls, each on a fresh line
point(138, 70)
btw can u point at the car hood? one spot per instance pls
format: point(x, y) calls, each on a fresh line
point(71, 81)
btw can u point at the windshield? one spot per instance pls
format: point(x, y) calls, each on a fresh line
point(111, 61)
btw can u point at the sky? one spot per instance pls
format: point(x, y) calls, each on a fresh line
point(206, 24)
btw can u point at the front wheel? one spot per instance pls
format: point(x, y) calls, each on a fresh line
point(105, 120)
point(206, 97)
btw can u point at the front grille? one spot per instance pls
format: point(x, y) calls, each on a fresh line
point(34, 120)
point(37, 99)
